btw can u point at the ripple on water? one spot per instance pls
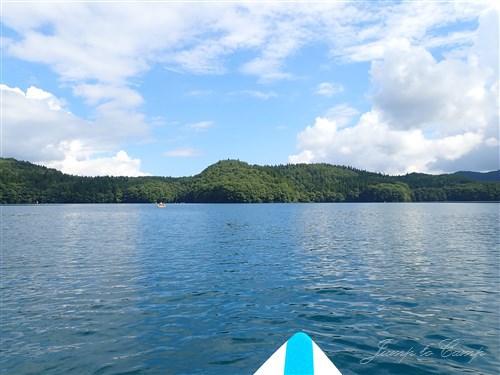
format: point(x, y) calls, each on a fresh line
point(217, 288)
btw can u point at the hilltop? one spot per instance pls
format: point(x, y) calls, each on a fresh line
point(234, 181)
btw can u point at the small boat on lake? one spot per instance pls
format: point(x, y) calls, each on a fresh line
point(161, 205)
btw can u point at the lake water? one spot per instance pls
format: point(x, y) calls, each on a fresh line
point(215, 289)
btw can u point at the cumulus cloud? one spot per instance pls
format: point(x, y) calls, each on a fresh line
point(38, 94)
point(35, 127)
point(79, 161)
point(485, 46)
point(427, 115)
point(415, 90)
point(100, 49)
point(374, 145)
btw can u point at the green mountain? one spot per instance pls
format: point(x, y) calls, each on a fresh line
point(233, 181)
point(493, 176)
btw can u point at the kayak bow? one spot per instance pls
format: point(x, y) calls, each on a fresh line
point(299, 355)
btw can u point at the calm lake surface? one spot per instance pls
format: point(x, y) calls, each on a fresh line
point(216, 289)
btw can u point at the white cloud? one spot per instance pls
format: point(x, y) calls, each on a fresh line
point(282, 30)
point(97, 50)
point(373, 145)
point(69, 36)
point(201, 125)
point(98, 93)
point(199, 93)
point(197, 39)
point(203, 59)
point(367, 32)
point(100, 49)
point(256, 94)
point(427, 115)
point(186, 152)
point(268, 69)
point(31, 128)
point(341, 114)
point(305, 156)
point(100, 41)
point(215, 31)
point(415, 90)
point(35, 127)
point(328, 89)
point(157, 121)
point(38, 94)
point(80, 161)
point(486, 46)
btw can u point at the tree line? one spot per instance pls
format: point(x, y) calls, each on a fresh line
point(233, 181)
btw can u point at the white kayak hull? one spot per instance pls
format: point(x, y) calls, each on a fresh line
point(299, 355)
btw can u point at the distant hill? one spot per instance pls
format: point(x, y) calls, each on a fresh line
point(493, 176)
point(234, 181)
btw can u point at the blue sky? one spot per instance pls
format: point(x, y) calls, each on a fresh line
point(168, 88)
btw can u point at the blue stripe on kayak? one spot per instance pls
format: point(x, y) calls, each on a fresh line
point(299, 355)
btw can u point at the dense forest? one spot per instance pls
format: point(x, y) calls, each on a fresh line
point(233, 181)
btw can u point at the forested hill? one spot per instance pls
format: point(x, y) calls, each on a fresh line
point(233, 181)
point(493, 176)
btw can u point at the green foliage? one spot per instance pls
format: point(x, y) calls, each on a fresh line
point(429, 194)
point(232, 181)
point(485, 191)
point(493, 176)
point(237, 182)
point(325, 182)
point(417, 180)
point(387, 192)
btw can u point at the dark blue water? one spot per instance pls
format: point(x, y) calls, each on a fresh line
point(382, 288)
